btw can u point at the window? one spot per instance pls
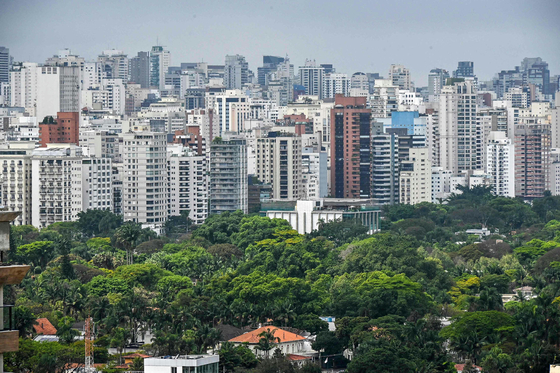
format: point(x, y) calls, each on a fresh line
point(173, 369)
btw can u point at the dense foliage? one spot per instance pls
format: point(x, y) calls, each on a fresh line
point(391, 292)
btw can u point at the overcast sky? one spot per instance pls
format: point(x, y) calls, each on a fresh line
point(353, 35)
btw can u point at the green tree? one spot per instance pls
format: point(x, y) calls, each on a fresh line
point(64, 330)
point(126, 236)
point(253, 229)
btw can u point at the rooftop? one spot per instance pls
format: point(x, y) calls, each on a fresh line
point(44, 327)
point(253, 336)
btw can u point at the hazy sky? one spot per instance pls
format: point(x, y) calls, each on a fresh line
point(353, 35)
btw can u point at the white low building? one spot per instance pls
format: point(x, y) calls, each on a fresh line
point(182, 364)
point(305, 216)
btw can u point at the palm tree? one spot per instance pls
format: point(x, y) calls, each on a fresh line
point(267, 341)
point(126, 236)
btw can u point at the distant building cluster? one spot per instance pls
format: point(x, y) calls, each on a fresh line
point(149, 139)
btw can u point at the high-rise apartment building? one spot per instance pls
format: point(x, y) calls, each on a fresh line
point(350, 148)
point(5, 65)
point(532, 159)
point(436, 80)
point(415, 180)
point(160, 60)
point(188, 183)
point(336, 84)
point(279, 163)
point(228, 176)
point(400, 77)
point(311, 77)
point(536, 72)
point(140, 69)
point(500, 164)
point(114, 64)
point(465, 69)
point(236, 72)
point(23, 81)
point(460, 147)
point(16, 181)
point(231, 108)
point(385, 169)
point(384, 99)
point(270, 65)
point(58, 90)
point(315, 173)
point(145, 178)
point(65, 129)
point(57, 184)
point(100, 144)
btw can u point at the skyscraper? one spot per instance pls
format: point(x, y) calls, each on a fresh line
point(400, 77)
point(465, 69)
point(458, 130)
point(350, 148)
point(160, 60)
point(145, 178)
point(270, 64)
point(385, 168)
point(140, 69)
point(114, 64)
point(436, 80)
point(228, 176)
point(311, 77)
point(500, 164)
point(236, 72)
point(4, 65)
point(279, 162)
point(532, 159)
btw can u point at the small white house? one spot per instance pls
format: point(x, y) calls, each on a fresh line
point(287, 342)
point(182, 364)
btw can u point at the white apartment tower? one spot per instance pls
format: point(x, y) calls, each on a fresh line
point(188, 183)
point(160, 60)
point(458, 131)
point(16, 181)
point(500, 164)
point(58, 90)
point(57, 184)
point(336, 83)
point(145, 178)
point(278, 162)
point(23, 81)
point(400, 77)
point(415, 181)
point(231, 109)
point(311, 77)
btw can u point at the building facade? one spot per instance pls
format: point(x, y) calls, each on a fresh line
point(145, 178)
point(228, 176)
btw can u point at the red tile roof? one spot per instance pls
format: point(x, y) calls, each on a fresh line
point(293, 357)
point(135, 355)
point(461, 367)
point(253, 336)
point(44, 327)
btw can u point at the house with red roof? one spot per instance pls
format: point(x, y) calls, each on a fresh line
point(461, 367)
point(44, 327)
point(287, 342)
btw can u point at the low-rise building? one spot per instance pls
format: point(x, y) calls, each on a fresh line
point(305, 216)
point(286, 341)
point(182, 364)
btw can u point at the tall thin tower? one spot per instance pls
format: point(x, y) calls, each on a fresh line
point(89, 368)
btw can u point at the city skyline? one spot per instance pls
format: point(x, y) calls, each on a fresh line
point(488, 34)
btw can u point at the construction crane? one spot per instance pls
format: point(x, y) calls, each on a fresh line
point(88, 338)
